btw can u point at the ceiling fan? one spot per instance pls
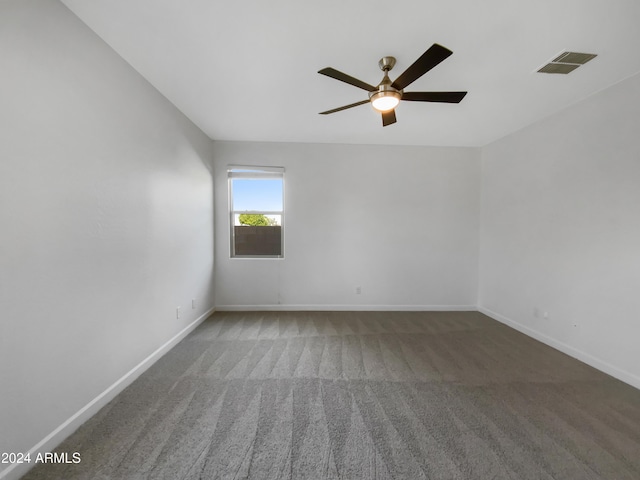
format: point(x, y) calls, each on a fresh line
point(387, 94)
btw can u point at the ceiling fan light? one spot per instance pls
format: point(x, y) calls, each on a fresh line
point(385, 100)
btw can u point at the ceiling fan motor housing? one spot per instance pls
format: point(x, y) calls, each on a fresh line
point(385, 89)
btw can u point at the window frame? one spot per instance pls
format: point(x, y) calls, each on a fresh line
point(257, 173)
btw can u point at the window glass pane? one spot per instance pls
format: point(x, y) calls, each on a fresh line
point(263, 195)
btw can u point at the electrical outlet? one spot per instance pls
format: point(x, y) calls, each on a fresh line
point(358, 290)
point(178, 313)
point(545, 315)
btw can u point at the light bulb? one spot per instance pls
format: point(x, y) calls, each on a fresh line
point(385, 101)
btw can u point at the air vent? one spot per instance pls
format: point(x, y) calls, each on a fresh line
point(567, 62)
point(574, 57)
point(558, 68)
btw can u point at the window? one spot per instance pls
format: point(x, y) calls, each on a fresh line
point(256, 211)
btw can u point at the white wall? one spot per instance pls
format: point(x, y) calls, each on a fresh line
point(560, 230)
point(106, 217)
point(401, 222)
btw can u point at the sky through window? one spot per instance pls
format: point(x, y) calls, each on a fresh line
point(261, 194)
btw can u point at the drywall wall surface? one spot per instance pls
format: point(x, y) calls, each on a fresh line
point(106, 217)
point(560, 230)
point(401, 223)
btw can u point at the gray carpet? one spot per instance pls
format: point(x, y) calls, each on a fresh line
point(361, 395)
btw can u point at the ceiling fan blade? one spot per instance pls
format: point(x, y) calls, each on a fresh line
point(343, 77)
point(344, 107)
point(445, 97)
point(429, 59)
point(388, 118)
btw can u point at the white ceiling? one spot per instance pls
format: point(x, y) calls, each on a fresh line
point(247, 70)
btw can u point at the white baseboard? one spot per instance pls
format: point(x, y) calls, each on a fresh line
point(584, 357)
point(343, 308)
point(47, 444)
